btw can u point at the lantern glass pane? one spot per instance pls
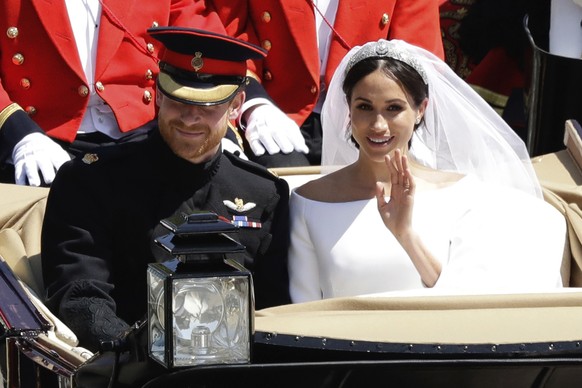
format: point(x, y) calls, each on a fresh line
point(211, 320)
point(156, 315)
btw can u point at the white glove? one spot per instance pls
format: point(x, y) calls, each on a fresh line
point(271, 129)
point(37, 152)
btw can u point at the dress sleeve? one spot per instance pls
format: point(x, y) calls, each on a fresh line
point(303, 264)
point(509, 242)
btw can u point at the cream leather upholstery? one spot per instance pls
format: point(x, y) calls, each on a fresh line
point(296, 176)
point(21, 214)
point(22, 211)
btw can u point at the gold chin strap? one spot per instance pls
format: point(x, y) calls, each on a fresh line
point(7, 112)
point(252, 74)
point(239, 139)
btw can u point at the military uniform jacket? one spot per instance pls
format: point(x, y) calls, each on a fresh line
point(40, 68)
point(102, 217)
point(286, 28)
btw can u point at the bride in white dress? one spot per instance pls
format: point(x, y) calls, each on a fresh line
point(439, 191)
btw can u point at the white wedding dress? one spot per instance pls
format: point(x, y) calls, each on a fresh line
point(488, 240)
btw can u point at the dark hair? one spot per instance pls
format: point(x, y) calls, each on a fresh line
point(405, 75)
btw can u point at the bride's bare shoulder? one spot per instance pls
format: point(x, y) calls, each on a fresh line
point(325, 188)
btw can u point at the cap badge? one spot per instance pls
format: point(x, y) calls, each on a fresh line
point(239, 205)
point(197, 62)
point(90, 158)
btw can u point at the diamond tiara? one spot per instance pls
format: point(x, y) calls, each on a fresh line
point(386, 49)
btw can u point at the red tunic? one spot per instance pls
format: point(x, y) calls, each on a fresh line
point(47, 79)
point(291, 73)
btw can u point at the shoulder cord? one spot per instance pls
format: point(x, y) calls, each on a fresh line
point(337, 34)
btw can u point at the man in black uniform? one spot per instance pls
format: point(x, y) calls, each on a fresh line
point(104, 209)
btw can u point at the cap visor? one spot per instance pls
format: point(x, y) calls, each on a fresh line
point(196, 93)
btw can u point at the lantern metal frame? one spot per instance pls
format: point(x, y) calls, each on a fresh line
point(207, 264)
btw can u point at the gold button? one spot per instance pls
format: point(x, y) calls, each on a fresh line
point(385, 19)
point(266, 44)
point(147, 96)
point(12, 32)
point(18, 59)
point(99, 86)
point(25, 83)
point(155, 24)
point(267, 75)
point(31, 110)
point(83, 91)
point(149, 74)
point(150, 47)
point(313, 89)
point(266, 17)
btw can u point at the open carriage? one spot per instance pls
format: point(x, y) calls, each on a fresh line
point(424, 339)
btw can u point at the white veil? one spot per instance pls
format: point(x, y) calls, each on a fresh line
point(460, 131)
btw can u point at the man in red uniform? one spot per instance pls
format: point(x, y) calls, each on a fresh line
point(306, 40)
point(66, 86)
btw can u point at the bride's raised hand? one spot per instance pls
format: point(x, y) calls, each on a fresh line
point(397, 212)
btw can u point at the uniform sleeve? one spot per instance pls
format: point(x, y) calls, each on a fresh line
point(15, 124)
point(418, 22)
point(270, 276)
point(76, 259)
point(510, 243)
point(303, 263)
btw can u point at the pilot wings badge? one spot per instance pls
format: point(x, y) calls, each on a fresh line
point(239, 220)
point(239, 205)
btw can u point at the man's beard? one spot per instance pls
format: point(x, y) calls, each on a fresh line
point(185, 149)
